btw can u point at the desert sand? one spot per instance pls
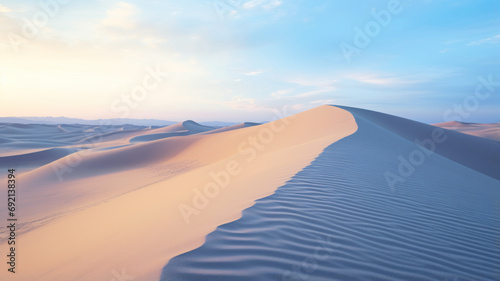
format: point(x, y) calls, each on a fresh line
point(339, 219)
point(135, 198)
point(381, 197)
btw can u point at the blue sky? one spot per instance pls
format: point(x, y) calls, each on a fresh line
point(238, 60)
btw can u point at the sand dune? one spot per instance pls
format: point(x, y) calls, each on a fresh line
point(34, 159)
point(489, 131)
point(134, 199)
point(34, 128)
point(155, 187)
point(113, 136)
point(29, 138)
point(338, 219)
point(185, 128)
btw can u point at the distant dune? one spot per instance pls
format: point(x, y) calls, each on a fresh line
point(99, 200)
point(185, 128)
point(100, 122)
point(489, 131)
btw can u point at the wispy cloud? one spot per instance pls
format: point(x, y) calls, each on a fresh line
point(255, 73)
point(382, 80)
point(299, 107)
point(242, 103)
point(313, 82)
point(266, 4)
point(4, 9)
point(314, 86)
point(316, 102)
point(491, 40)
point(121, 24)
point(280, 93)
point(121, 16)
point(316, 92)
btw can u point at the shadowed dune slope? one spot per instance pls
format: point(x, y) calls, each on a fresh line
point(480, 154)
point(36, 158)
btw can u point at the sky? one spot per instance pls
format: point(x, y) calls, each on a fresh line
point(249, 60)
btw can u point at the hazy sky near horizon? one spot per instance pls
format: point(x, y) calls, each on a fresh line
point(238, 60)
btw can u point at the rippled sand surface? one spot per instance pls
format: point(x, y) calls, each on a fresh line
point(338, 219)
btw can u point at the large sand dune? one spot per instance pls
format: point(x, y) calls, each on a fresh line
point(339, 219)
point(89, 214)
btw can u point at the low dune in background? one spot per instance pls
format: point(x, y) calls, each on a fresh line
point(115, 205)
point(489, 131)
